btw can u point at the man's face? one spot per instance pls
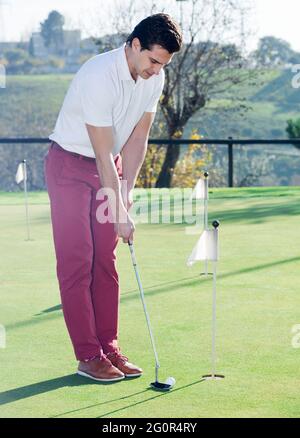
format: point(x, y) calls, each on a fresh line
point(150, 62)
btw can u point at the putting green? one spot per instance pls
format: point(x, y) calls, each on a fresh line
point(258, 306)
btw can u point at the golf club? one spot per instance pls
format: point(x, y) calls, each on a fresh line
point(170, 381)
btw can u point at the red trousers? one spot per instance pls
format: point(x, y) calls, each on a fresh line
point(85, 253)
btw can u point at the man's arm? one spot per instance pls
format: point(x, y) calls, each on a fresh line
point(103, 142)
point(133, 153)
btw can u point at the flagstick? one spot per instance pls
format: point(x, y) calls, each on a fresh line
point(214, 321)
point(26, 200)
point(206, 201)
point(206, 228)
point(206, 214)
point(213, 375)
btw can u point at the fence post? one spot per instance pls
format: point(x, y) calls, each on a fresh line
point(230, 162)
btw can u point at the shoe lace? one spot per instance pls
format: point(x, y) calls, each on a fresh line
point(118, 355)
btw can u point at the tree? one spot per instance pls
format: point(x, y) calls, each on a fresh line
point(52, 31)
point(293, 130)
point(204, 68)
point(273, 52)
point(254, 168)
point(110, 42)
point(189, 168)
point(31, 47)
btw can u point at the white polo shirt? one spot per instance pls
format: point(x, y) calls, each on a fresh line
point(103, 93)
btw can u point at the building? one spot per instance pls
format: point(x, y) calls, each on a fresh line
point(4, 46)
point(72, 39)
point(37, 46)
point(70, 47)
point(88, 46)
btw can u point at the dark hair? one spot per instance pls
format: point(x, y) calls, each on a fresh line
point(158, 29)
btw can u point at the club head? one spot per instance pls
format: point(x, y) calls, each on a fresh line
point(164, 387)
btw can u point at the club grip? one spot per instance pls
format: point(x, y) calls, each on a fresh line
point(130, 245)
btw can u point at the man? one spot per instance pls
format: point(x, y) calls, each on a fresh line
point(105, 118)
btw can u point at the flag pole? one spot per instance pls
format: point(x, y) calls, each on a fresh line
point(205, 204)
point(26, 199)
point(213, 375)
point(214, 321)
point(206, 214)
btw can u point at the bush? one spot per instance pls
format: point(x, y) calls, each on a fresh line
point(190, 167)
point(16, 56)
point(56, 62)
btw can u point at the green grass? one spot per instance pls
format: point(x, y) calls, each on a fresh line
point(258, 304)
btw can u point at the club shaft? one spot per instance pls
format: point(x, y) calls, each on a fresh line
point(144, 306)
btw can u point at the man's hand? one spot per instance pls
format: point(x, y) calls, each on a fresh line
point(126, 229)
point(102, 141)
point(127, 196)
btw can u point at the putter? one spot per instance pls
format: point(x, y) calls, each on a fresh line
point(170, 381)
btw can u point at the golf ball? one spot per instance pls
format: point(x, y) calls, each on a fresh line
point(170, 381)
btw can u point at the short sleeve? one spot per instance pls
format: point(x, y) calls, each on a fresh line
point(96, 97)
point(152, 107)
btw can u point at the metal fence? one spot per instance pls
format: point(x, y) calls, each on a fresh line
point(230, 143)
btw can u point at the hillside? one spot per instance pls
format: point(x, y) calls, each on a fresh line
point(270, 104)
point(35, 101)
point(30, 104)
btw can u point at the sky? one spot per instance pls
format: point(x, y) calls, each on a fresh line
point(18, 18)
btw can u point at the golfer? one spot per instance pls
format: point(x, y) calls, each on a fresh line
point(100, 142)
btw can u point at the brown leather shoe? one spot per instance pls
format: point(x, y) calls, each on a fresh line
point(100, 369)
point(121, 362)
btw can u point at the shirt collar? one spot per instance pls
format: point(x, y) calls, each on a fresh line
point(125, 74)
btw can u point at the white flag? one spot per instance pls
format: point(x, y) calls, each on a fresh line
point(20, 175)
point(206, 248)
point(201, 190)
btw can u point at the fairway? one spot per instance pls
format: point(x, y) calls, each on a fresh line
point(258, 306)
